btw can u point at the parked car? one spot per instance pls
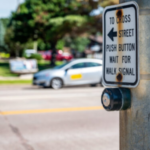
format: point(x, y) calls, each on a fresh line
point(47, 55)
point(67, 56)
point(75, 72)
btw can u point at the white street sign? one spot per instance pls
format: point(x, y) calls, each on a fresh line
point(120, 47)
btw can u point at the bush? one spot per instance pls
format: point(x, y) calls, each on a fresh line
point(34, 56)
point(4, 55)
point(43, 46)
point(78, 43)
point(60, 44)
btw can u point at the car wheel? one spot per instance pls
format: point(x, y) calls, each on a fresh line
point(56, 83)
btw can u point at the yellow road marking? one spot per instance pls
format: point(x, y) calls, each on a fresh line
point(76, 76)
point(50, 110)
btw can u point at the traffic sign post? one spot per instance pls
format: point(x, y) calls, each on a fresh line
point(120, 45)
point(135, 120)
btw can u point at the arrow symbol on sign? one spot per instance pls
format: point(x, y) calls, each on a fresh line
point(112, 34)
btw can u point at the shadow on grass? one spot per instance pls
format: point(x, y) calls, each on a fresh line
point(5, 70)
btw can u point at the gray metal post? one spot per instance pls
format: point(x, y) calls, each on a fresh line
point(135, 122)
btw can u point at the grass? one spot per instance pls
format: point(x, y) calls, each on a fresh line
point(5, 72)
point(4, 82)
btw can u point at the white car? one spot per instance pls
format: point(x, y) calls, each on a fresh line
point(75, 72)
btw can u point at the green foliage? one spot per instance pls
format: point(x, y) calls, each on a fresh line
point(4, 70)
point(43, 46)
point(5, 21)
point(108, 3)
point(43, 64)
point(4, 55)
point(50, 21)
point(79, 43)
point(60, 44)
point(34, 56)
point(14, 48)
point(3, 25)
point(3, 48)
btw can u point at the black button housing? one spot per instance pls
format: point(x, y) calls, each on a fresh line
point(120, 99)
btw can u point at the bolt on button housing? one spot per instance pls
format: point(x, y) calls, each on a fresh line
point(116, 99)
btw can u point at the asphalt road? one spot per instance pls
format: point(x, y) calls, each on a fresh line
point(72, 118)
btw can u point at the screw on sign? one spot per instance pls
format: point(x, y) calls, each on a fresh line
point(120, 47)
point(119, 13)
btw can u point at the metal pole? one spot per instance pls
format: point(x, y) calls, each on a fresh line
point(18, 3)
point(135, 122)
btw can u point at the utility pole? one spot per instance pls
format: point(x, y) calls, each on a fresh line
point(18, 3)
point(135, 122)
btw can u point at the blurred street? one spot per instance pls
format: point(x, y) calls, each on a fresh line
point(71, 118)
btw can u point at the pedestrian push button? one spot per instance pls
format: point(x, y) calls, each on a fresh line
point(116, 99)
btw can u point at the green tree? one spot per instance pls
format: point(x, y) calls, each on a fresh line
point(14, 48)
point(60, 44)
point(48, 20)
point(77, 43)
point(3, 25)
point(51, 20)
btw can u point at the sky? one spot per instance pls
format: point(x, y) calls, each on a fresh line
point(7, 6)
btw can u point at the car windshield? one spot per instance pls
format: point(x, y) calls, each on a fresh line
point(61, 66)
